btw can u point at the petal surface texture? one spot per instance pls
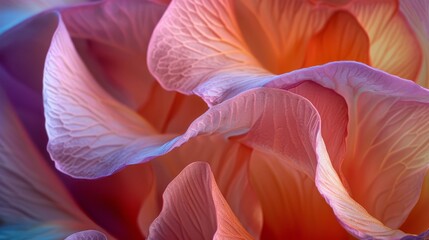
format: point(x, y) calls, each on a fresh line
point(224, 41)
point(93, 126)
point(229, 162)
point(417, 12)
point(194, 208)
point(384, 165)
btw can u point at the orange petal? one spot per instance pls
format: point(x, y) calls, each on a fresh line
point(292, 206)
point(387, 144)
point(342, 38)
point(393, 46)
point(416, 13)
point(418, 220)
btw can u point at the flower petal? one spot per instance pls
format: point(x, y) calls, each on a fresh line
point(94, 125)
point(205, 32)
point(228, 160)
point(233, 46)
point(292, 206)
point(393, 46)
point(194, 208)
point(333, 112)
point(418, 220)
point(416, 12)
point(113, 38)
point(385, 162)
point(87, 235)
point(33, 202)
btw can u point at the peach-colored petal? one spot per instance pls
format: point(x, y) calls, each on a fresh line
point(233, 46)
point(393, 45)
point(194, 208)
point(292, 206)
point(418, 220)
point(204, 35)
point(112, 39)
point(228, 160)
point(342, 38)
point(385, 163)
point(416, 12)
point(33, 202)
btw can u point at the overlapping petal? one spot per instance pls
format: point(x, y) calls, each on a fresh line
point(85, 123)
point(112, 39)
point(385, 160)
point(194, 208)
point(229, 162)
point(223, 41)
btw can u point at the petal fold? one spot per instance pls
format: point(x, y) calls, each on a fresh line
point(194, 208)
point(113, 38)
point(386, 137)
point(94, 125)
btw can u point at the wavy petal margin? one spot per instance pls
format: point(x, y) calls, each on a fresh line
point(385, 162)
point(215, 48)
point(112, 37)
point(194, 208)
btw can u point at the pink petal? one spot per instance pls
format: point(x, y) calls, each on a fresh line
point(112, 39)
point(384, 164)
point(87, 235)
point(93, 126)
point(33, 202)
point(194, 208)
point(333, 112)
point(209, 41)
point(229, 161)
point(416, 13)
